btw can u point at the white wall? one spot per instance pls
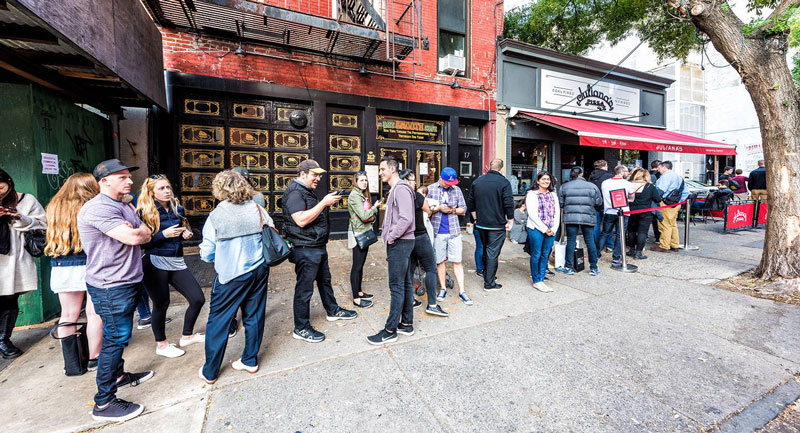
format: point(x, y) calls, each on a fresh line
point(133, 143)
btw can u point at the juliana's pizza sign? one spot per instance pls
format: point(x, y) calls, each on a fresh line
point(581, 95)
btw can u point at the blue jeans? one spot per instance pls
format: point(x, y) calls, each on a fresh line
point(540, 244)
point(572, 237)
point(611, 224)
point(401, 286)
point(598, 230)
point(115, 306)
point(478, 251)
point(143, 306)
point(248, 291)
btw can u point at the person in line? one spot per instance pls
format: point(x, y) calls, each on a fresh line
point(448, 203)
point(68, 260)
point(543, 222)
point(580, 200)
point(740, 193)
point(519, 231)
point(398, 235)
point(654, 175)
point(727, 173)
point(611, 216)
point(164, 264)
point(143, 306)
point(478, 249)
point(667, 183)
point(362, 216)
point(112, 235)
point(423, 247)
point(757, 182)
point(491, 204)
point(639, 224)
point(232, 242)
point(19, 213)
point(307, 227)
point(599, 175)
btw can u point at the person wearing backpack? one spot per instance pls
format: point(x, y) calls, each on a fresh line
point(674, 191)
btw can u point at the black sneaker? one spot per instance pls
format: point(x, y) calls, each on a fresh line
point(134, 379)
point(479, 273)
point(436, 310)
point(233, 328)
point(405, 329)
point(382, 338)
point(549, 272)
point(494, 288)
point(92, 365)
point(343, 314)
point(117, 411)
point(417, 303)
point(310, 335)
point(148, 322)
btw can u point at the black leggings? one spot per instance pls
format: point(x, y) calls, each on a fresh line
point(357, 271)
point(157, 283)
point(639, 225)
point(9, 302)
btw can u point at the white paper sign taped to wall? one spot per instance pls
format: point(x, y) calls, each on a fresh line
point(49, 163)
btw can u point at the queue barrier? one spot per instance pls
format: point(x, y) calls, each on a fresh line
point(744, 215)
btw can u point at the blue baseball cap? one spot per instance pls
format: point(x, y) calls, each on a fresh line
point(449, 176)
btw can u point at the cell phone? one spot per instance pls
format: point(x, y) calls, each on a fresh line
point(340, 192)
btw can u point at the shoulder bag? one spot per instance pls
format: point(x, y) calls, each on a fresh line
point(74, 348)
point(274, 247)
point(34, 240)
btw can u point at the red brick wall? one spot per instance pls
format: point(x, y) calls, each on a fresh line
point(184, 52)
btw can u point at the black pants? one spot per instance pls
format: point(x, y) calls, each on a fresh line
point(9, 302)
point(157, 283)
point(424, 255)
point(610, 221)
point(311, 264)
point(357, 271)
point(401, 287)
point(492, 241)
point(656, 231)
point(638, 226)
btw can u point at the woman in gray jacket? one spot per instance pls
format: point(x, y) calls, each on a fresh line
point(579, 199)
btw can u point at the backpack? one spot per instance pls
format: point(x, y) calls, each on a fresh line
point(674, 196)
point(734, 185)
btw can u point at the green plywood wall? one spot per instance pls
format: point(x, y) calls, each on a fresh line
point(37, 121)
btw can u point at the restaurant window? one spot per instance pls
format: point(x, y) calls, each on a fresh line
point(528, 158)
point(469, 132)
point(453, 49)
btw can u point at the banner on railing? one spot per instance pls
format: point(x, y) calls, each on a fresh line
point(739, 215)
point(761, 219)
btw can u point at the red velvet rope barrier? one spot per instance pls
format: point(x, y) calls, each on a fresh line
point(631, 212)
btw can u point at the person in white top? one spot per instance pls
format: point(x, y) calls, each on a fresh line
point(610, 215)
point(543, 221)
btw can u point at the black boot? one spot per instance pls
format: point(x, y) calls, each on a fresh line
point(7, 320)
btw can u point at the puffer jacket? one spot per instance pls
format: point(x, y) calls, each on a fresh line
point(580, 200)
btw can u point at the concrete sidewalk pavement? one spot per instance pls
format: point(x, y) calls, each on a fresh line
point(654, 351)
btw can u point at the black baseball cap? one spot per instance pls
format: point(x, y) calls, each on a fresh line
point(110, 166)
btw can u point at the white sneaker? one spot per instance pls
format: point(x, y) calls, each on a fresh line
point(237, 365)
point(542, 287)
point(170, 351)
point(196, 338)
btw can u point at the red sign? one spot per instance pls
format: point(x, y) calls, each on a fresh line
point(619, 198)
point(740, 215)
point(762, 213)
point(626, 143)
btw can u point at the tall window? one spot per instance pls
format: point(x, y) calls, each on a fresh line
point(453, 40)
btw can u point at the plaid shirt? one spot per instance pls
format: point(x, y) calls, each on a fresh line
point(452, 197)
point(547, 209)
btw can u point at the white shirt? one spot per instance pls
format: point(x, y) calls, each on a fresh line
point(611, 185)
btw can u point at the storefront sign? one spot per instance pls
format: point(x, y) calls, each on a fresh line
point(571, 93)
point(748, 156)
point(739, 215)
point(402, 129)
point(619, 198)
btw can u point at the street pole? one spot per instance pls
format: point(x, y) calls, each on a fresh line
point(621, 232)
point(686, 245)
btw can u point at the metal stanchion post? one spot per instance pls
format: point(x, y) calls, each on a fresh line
point(686, 245)
point(621, 232)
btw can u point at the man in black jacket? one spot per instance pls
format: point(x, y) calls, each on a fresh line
point(757, 182)
point(597, 177)
point(492, 206)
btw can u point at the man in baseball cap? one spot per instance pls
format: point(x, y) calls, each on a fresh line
point(310, 165)
point(449, 176)
point(111, 166)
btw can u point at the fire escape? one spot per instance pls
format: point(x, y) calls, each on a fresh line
point(381, 32)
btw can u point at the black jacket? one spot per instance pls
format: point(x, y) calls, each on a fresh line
point(645, 198)
point(491, 199)
point(160, 245)
point(757, 179)
point(580, 199)
point(599, 176)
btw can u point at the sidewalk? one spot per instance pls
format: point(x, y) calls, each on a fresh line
point(655, 351)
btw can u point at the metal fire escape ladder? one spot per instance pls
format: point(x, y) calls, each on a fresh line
point(404, 35)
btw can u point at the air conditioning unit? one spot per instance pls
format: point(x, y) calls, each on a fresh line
point(452, 64)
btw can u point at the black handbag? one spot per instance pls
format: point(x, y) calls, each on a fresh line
point(579, 261)
point(273, 246)
point(34, 242)
point(74, 348)
point(364, 240)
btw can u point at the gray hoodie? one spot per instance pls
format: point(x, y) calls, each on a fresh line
point(398, 221)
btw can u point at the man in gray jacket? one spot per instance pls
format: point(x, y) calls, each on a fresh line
point(580, 200)
point(398, 234)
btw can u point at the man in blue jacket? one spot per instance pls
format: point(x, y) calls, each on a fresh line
point(668, 182)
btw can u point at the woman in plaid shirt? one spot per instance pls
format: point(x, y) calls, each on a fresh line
point(543, 221)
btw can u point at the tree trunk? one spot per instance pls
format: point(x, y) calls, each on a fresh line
point(762, 65)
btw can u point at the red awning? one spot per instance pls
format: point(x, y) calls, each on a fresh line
point(603, 134)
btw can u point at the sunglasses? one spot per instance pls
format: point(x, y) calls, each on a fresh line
point(158, 176)
point(360, 172)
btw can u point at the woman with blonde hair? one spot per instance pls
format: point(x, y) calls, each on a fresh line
point(68, 260)
point(646, 195)
point(232, 242)
point(362, 216)
point(163, 263)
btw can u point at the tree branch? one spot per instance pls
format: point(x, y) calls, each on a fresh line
point(782, 7)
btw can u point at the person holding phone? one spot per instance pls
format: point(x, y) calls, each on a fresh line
point(164, 264)
point(362, 216)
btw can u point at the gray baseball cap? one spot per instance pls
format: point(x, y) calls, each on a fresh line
point(110, 166)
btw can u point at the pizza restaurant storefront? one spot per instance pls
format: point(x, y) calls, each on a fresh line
point(561, 111)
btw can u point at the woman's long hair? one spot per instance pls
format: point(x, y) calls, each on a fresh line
point(10, 199)
point(640, 175)
point(62, 214)
point(146, 204)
